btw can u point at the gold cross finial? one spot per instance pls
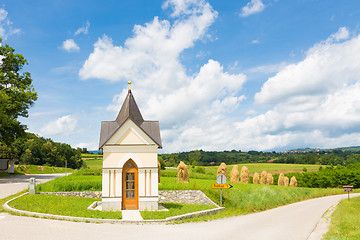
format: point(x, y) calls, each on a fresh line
point(129, 82)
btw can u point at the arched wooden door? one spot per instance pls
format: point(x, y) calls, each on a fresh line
point(130, 184)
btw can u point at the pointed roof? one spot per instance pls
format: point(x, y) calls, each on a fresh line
point(129, 110)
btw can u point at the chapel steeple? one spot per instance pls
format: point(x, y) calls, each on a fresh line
point(130, 110)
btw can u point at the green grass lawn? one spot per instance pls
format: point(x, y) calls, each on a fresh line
point(241, 199)
point(248, 198)
point(92, 161)
point(80, 180)
point(274, 168)
point(35, 169)
point(61, 205)
point(345, 221)
point(175, 209)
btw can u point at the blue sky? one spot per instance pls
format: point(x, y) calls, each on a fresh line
point(218, 75)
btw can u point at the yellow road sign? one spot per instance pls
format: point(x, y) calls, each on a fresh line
point(221, 186)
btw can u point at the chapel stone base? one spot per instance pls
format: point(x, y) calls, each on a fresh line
point(114, 204)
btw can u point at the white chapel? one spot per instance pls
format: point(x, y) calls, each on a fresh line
point(130, 147)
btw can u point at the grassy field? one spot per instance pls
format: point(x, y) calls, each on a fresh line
point(247, 198)
point(80, 180)
point(345, 221)
point(35, 169)
point(274, 168)
point(92, 161)
point(175, 209)
point(61, 205)
point(241, 199)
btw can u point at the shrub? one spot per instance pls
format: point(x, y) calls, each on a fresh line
point(200, 170)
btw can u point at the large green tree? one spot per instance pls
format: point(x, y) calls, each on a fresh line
point(17, 93)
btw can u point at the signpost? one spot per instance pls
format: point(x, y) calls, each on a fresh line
point(348, 189)
point(221, 184)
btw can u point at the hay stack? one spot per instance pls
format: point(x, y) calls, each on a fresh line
point(159, 170)
point(293, 182)
point(286, 181)
point(222, 170)
point(256, 179)
point(244, 175)
point(182, 173)
point(41, 168)
point(281, 180)
point(234, 174)
point(263, 177)
point(269, 179)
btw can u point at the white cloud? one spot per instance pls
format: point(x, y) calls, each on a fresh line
point(327, 67)
point(69, 45)
point(164, 91)
point(84, 29)
point(255, 41)
point(6, 28)
point(3, 14)
point(65, 125)
point(89, 145)
point(310, 103)
point(313, 102)
point(271, 68)
point(341, 34)
point(252, 7)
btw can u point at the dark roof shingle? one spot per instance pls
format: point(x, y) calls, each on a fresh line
point(129, 110)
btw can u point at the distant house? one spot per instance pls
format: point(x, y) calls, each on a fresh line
point(130, 171)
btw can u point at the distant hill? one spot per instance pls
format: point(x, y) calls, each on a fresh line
point(352, 148)
point(95, 152)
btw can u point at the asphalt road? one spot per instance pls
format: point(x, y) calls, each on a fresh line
point(17, 183)
point(292, 222)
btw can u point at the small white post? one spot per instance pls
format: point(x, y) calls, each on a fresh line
point(221, 197)
point(32, 186)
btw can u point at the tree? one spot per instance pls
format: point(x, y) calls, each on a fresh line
point(194, 157)
point(17, 93)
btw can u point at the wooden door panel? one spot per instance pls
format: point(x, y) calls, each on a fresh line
point(130, 196)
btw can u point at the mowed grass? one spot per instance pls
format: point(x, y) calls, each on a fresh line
point(345, 221)
point(175, 209)
point(92, 161)
point(80, 180)
point(239, 200)
point(36, 169)
point(274, 168)
point(62, 205)
point(248, 198)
